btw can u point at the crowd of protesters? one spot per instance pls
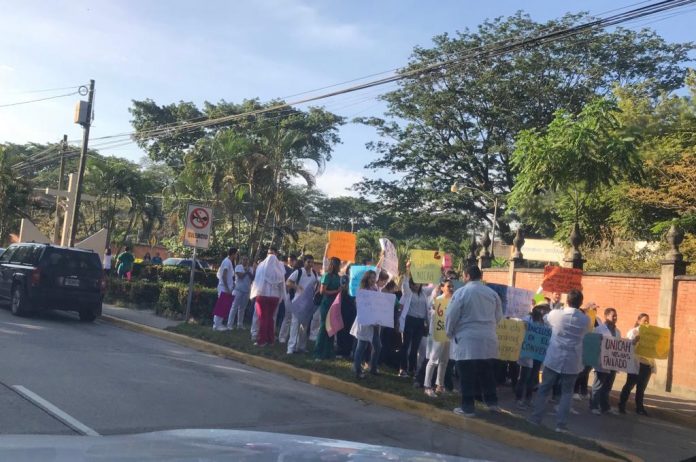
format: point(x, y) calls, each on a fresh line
point(466, 362)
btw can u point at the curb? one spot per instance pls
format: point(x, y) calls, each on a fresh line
point(658, 413)
point(509, 437)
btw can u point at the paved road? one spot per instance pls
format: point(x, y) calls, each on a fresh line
point(116, 381)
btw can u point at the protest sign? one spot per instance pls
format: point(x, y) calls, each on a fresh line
point(591, 346)
point(341, 245)
point(375, 308)
point(517, 303)
point(592, 314)
point(563, 280)
point(539, 298)
point(303, 305)
point(654, 342)
point(334, 320)
point(390, 260)
point(440, 307)
point(510, 336)
point(536, 341)
point(616, 354)
point(425, 266)
point(356, 274)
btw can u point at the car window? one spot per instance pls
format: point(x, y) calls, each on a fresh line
point(20, 255)
point(5, 257)
point(71, 261)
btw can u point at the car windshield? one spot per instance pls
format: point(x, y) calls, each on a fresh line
point(459, 227)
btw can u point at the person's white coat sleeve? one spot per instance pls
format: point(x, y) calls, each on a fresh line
point(498, 309)
point(452, 315)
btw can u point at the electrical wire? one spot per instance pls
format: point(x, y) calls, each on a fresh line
point(45, 90)
point(19, 103)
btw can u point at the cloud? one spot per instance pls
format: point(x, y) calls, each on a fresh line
point(338, 181)
point(6, 68)
point(311, 26)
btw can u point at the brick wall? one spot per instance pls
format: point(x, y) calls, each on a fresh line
point(684, 372)
point(496, 275)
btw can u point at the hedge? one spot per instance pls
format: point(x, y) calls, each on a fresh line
point(159, 273)
point(168, 299)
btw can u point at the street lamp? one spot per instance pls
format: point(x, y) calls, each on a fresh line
point(491, 197)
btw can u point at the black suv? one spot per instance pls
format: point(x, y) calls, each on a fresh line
point(36, 277)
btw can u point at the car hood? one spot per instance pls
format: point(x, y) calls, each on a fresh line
point(200, 446)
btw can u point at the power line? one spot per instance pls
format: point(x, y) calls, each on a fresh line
point(45, 90)
point(38, 100)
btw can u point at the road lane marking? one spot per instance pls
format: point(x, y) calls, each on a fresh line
point(54, 411)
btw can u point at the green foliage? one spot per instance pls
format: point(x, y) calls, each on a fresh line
point(173, 299)
point(460, 124)
point(139, 294)
point(14, 194)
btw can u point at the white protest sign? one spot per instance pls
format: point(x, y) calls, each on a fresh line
point(199, 221)
point(618, 354)
point(405, 305)
point(375, 308)
point(390, 260)
point(519, 302)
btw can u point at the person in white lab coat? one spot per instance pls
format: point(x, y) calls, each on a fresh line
point(470, 323)
point(302, 279)
point(604, 379)
point(563, 358)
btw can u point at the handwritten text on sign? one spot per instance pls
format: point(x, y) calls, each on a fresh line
point(341, 245)
point(536, 341)
point(425, 266)
point(654, 342)
point(510, 336)
point(375, 308)
point(440, 307)
point(616, 354)
point(563, 280)
point(517, 303)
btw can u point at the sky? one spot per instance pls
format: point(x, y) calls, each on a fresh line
point(172, 51)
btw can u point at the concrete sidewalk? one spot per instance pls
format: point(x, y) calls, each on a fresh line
point(145, 317)
point(650, 438)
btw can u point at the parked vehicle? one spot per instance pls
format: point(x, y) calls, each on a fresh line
point(186, 262)
point(36, 277)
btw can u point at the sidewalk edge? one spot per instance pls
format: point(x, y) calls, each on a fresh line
point(514, 438)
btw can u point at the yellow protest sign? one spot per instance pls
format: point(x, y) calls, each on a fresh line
point(592, 314)
point(426, 266)
point(440, 307)
point(341, 245)
point(510, 337)
point(654, 342)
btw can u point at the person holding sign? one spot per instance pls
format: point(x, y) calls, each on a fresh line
point(563, 359)
point(645, 368)
point(440, 345)
point(529, 367)
point(366, 335)
point(330, 287)
point(470, 323)
point(414, 326)
point(604, 379)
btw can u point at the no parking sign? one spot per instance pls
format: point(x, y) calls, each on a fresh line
point(199, 221)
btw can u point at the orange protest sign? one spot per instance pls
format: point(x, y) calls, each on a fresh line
point(341, 245)
point(563, 280)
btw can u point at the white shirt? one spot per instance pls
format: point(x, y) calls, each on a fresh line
point(307, 281)
point(229, 277)
point(568, 328)
point(107, 261)
point(243, 284)
point(419, 302)
point(470, 322)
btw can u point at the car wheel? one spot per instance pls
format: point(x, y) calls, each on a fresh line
point(90, 313)
point(19, 304)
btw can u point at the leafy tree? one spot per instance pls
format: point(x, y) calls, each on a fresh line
point(14, 195)
point(460, 123)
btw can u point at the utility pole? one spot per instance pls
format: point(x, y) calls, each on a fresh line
point(61, 174)
point(86, 123)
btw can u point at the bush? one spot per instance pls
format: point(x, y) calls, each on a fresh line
point(132, 293)
point(173, 298)
point(178, 274)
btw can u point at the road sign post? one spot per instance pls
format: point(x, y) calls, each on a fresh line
point(199, 222)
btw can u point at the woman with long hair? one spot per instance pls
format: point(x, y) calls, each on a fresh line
point(416, 320)
point(640, 380)
point(330, 287)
